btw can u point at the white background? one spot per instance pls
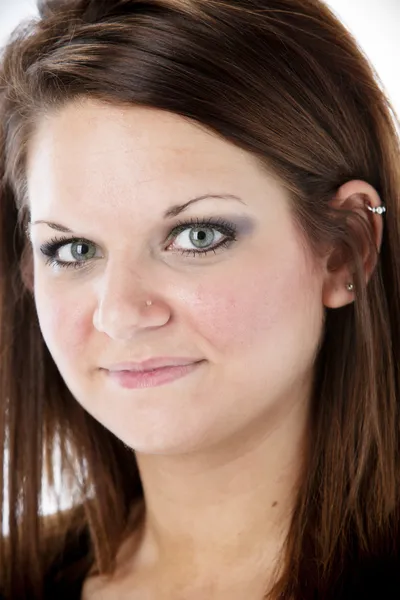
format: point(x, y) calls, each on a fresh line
point(375, 24)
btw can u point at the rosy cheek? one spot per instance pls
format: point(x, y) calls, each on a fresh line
point(251, 308)
point(231, 315)
point(63, 321)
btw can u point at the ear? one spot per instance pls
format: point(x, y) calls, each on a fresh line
point(338, 271)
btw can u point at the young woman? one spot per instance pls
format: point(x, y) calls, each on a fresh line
point(200, 304)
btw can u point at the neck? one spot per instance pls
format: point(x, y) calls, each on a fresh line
point(229, 505)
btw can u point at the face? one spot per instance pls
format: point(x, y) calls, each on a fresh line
point(250, 308)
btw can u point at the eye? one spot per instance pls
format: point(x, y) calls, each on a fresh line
point(79, 250)
point(60, 251)
point(201, 234)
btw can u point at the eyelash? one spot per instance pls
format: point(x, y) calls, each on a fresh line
point(229, 229)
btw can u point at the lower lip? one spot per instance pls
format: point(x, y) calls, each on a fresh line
point(145, 379)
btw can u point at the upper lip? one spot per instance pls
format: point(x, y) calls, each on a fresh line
point(152, 363)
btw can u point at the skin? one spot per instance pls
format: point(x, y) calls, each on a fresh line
point(220, 450)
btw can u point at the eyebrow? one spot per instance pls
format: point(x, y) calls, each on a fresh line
point(174, 211)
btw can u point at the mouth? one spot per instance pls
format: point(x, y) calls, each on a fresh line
point(151, 378)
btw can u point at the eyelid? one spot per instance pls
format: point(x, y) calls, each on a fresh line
point(57, 243)
point(224, 223)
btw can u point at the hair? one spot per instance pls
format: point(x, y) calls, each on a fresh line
point(285, 81)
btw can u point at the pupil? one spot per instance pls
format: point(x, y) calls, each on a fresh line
point(81, 250)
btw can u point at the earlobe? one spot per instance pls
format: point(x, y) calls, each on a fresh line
point(336, 295)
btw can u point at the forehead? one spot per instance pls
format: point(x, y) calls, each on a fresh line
point(147, 139)
point(91, 154)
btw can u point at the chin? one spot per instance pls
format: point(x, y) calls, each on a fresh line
point(166, 445)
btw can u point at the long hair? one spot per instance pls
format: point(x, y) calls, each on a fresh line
point(285, 81)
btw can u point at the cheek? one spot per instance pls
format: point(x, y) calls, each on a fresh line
point(63, 321)
point(262, 305)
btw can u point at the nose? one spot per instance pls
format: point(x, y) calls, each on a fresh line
point(121, 310)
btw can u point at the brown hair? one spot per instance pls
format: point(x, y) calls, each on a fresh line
point(287, 82)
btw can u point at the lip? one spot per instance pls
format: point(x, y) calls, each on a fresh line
point(144, 379)
point(152, 363)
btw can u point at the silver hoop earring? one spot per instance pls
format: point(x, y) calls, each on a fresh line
point(350, 287)
point(377, 209)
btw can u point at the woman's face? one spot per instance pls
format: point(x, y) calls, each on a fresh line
point(251, 310)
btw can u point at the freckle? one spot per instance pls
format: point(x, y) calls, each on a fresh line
point(274, 504)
